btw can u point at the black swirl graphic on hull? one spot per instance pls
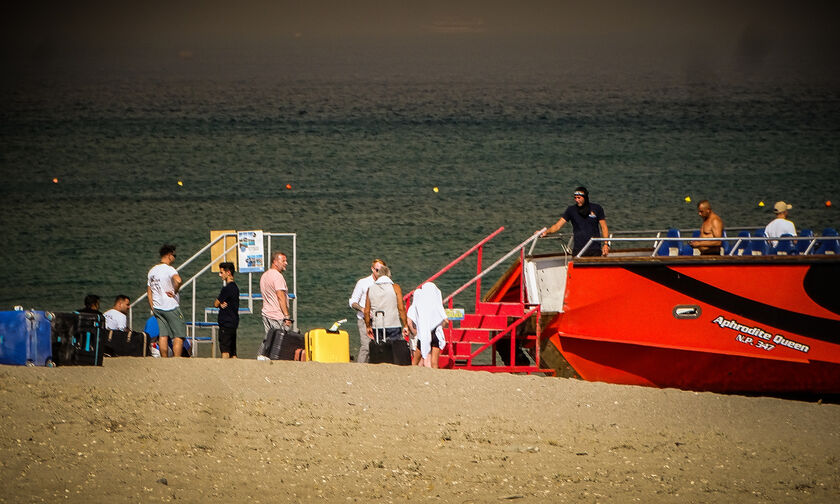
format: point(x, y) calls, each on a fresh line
point(818, 328)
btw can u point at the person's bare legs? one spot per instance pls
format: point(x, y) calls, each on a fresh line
point(177, 346)
point(226, 355)
point(163, 344)
point(435, 357)
point(415, 357)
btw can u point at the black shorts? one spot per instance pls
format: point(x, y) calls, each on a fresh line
point(227, 340)
point(435, 341)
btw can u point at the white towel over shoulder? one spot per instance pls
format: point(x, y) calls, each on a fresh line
point(427, 313)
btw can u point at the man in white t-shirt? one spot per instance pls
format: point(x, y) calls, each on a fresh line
point(115, 319)
point(357, 302)
point(780, 225)
point(164, 282)
point(275, 311)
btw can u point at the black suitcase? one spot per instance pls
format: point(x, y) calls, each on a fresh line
point(126, 344)
point(281, 344)
point(77, 339)
point(385, 351)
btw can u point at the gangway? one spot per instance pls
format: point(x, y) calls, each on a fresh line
point(248, 295)
point(494, 325)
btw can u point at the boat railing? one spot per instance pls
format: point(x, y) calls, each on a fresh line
point(659, 241)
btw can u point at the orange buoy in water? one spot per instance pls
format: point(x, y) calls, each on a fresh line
point(828, 203)
point(288, 186)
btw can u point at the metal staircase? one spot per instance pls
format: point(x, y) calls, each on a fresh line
point(194, 324)
point(509, 328)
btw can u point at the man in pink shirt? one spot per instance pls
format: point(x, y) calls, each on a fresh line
point(275, 312)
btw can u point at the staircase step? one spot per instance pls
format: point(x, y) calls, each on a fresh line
point(507, 309)
point(461, 349)
point(257, 295)
point(475, 321)
point(210, 309)
point(202, 324)
point(470, 335)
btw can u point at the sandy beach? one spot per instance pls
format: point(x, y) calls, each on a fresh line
point(204, 430)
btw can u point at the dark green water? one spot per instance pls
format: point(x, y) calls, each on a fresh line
point(363, 152)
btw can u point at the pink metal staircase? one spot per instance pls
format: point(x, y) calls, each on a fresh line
point(472, 343)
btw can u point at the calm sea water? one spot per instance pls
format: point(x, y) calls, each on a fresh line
point(363, 145)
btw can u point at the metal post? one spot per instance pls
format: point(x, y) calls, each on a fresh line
point(251, 292)
point(478, 271)
point(522, 275)
point(294, 281)
point(193, 318)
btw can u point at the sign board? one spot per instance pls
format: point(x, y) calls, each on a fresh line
point(454, 313)
point(251, 252)
point(227, 243)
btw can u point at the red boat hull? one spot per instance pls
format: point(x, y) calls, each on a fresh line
point(690, 370)
point(739, 325)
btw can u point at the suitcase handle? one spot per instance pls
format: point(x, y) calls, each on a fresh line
point(376, 331)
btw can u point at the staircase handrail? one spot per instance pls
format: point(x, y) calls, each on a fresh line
point(456, 261)
point(490, 268)
point(191, 280)
point(191, 259)
point(215, 260)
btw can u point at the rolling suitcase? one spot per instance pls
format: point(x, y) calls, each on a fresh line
point(77, 339)
point(126, 344)
point(323, 345)
point(385, 351)
point(25, 338)
point(281, 344)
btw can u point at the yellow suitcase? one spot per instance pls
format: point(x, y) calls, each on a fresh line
point(325, 346)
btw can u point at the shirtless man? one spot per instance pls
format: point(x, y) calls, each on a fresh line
point(712, 227)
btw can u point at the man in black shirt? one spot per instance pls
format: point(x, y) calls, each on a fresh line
point(588, 221)
point(228, 304)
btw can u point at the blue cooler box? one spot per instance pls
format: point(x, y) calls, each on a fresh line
point(25, 338)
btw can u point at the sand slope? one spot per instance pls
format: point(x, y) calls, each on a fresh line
point(299, 432)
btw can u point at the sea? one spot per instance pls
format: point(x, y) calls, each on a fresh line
point(407, 152)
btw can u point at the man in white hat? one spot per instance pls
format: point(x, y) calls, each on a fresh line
point(780, 225)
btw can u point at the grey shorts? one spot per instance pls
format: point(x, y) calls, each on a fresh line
point(171, 323)
point(270, 323)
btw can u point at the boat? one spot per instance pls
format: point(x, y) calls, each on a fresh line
point(756, 319)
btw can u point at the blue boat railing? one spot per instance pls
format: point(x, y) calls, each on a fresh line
point(659, 241)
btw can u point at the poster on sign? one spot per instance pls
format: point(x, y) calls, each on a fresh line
point(251, 253)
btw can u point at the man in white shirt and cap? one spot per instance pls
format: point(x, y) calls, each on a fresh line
point(780, 225)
